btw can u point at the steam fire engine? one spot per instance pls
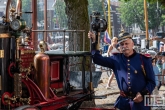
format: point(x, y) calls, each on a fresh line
point(32, 79)
point(35, 79)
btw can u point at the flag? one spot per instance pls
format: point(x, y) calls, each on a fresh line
point(107, 39)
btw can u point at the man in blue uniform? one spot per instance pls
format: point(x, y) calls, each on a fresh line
point(133, 71)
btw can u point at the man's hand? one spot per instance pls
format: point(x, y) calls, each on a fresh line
point(138, 98)
point(158, 39)
point(122, 94)
point(155, 38)
point(92, 36)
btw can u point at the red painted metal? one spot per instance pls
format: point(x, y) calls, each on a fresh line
point(9, 69)
point(34, 22)
point(64, 101)
point(34, 91)
point(55, 70)
point(54, 97)
point(96, 109)
point(56, 85)
point(5, 96)
point(27, 56)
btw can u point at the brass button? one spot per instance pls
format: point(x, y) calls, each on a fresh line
point(128, 64)
point(129, 83)
point(129, 78)
point(128, 60)
point(129, 73)
point(128, 68)
point(129, 87)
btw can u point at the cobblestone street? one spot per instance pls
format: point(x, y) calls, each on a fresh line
point(110, 94)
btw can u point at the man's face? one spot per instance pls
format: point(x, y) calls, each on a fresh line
point(127, 46)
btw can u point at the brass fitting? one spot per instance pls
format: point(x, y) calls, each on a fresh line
point(13, 99)
point(25, 100)
point(43, 46)
point(90, 84)
point(17, 85)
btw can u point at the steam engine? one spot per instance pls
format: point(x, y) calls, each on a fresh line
point(28, 77)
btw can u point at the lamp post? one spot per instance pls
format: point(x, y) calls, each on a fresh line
point(146, 23)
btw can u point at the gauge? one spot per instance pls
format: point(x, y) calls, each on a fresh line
point(17, 24)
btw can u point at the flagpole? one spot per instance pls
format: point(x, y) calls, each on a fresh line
point(146, 22)
point(109, 19)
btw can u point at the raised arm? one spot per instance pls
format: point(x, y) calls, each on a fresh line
point(109, 50)
point(158, 39)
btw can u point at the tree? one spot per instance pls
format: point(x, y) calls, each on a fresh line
point(133, 12)
point(77, 14)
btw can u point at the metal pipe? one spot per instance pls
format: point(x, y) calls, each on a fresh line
point(83, 73)
point(7, 10)
point(57, 30)
point(34, 22)
point(45, 21)
point(84, 41)
point(64, 42)
point(75, 41)
point(19, 8)
point(90, 63)
point(75, 35)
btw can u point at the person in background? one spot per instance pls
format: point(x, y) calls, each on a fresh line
point(133, 71)
point(156, 71)
point(161, 48)
point(112, 49)
point(49, 39)
point(138, 41)
point(163, 67)
point(159, 65)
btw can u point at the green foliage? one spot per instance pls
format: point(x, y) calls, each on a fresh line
point(162, 2)
point(60, 15)
point(133, 12)
point(163, 22)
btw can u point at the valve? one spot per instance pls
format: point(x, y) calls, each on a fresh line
point(6, 98)
point(25, 100)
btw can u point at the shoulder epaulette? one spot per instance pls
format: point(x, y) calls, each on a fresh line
point(146, 55)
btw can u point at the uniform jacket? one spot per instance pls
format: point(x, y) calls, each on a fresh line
point(130, 76)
